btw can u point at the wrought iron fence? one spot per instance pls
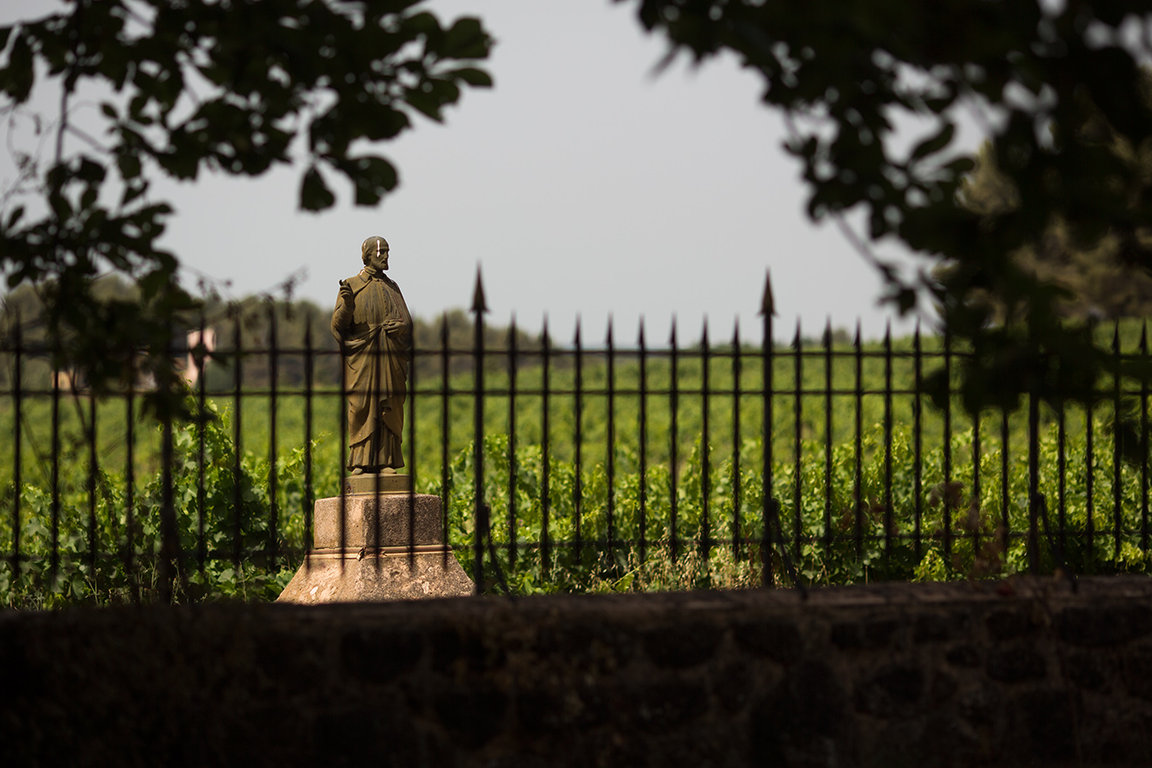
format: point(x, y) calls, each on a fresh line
point(569, 466)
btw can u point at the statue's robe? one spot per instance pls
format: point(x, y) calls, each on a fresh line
point(375, 368)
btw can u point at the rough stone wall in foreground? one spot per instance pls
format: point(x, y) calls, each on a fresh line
point(1013, 674)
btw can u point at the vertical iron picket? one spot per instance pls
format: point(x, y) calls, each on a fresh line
point(889, 519)
point(307, 501)
point(798, 426)
point(1117, 453)
point(828, 437)
point(17, 445)
point(674, 458)
point(1061, 480)
point(169, 547)
point(1005, 479)
point(737, 523)
point(1144, 438)
point(1033, 482)
point(858, 444)
point(767, 491)
point(201, 421)
point(545, 453)
point(410, 418)
point(54, 481)
point(947, 445)
point(480, 511)
point(918, 442)
point(643, 438)
point(445, 436)
point(1090, 459)
point(513, 364)
point(130, 488)
point(272, 544)
point(344, 449)
point(237, 430)
point(93, 484)
point(578, 440)
point(972, 511)
point(1089, 478)
point(705, 458)
point(376, 378)
point(610, 448)
point(170, 559)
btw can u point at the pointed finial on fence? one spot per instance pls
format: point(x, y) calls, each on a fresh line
point(704, 333)
point(479, 305)
point(609, 335)
point(828, 332)
point(767, 303)
point(640, 335)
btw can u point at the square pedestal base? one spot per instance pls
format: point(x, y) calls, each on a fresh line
point(349, 577)
point(368, 548)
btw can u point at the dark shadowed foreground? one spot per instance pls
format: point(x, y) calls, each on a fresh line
point(1013, 673)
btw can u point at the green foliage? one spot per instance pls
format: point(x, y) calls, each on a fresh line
point(234, 542)
point(834, 532)
point(619, 509)
point(585, 534)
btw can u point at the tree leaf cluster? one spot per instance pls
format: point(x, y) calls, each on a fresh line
point(1059, 92)
point(1097, 282)
point(236, 86)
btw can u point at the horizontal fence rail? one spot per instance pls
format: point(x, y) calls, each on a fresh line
point(568, 466)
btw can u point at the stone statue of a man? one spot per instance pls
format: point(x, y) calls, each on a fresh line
point(372, 325)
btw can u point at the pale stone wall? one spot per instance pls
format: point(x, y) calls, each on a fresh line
point(1012, 674)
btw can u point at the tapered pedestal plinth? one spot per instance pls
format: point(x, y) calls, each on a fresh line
point(365, 553)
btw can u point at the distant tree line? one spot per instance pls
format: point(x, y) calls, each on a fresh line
point(248, 325)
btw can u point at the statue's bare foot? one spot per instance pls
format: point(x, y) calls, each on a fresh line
point(357, 471)
point(387, 470)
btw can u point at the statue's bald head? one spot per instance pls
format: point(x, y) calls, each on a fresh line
point(374, 244)
point(374, 252)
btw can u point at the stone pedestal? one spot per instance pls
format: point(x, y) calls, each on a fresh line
point(382, 483)
point(371, 556)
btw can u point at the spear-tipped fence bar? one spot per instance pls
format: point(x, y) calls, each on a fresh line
point(568, 467)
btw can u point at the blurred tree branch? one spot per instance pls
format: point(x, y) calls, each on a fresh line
point(232, 86)
point(1057, 86)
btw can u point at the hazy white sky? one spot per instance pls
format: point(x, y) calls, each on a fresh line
point(582, 185)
